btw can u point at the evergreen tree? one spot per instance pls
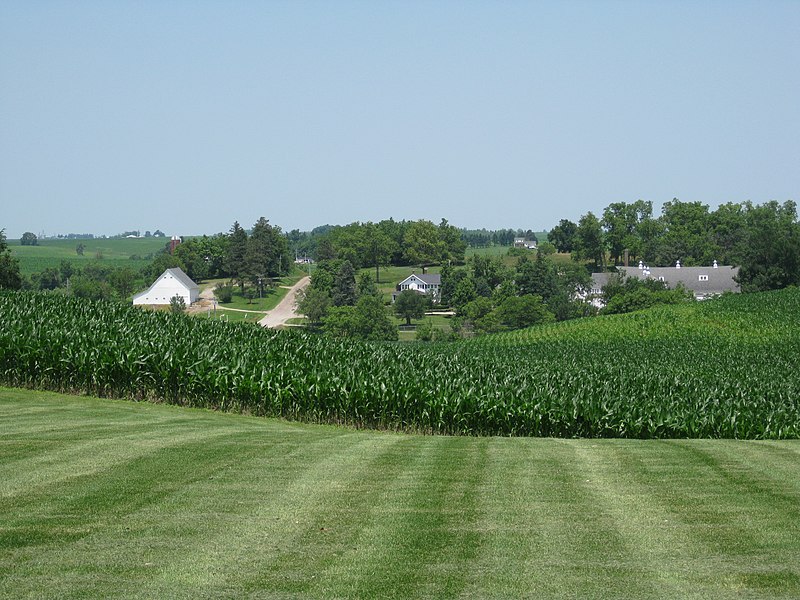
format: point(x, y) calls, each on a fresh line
point(366, 286)
point(261, 254)
point(236, 252)
point(343, 292)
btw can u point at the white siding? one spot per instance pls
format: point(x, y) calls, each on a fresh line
point(164, 289)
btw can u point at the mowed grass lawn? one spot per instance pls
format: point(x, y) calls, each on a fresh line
point(104, 498)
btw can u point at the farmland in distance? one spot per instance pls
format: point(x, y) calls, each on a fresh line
point(110, 252)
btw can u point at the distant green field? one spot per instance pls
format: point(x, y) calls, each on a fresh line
point(488, 251)
point(114, 252)
point(110, 499)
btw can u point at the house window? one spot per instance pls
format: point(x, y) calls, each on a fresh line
point(703, 278)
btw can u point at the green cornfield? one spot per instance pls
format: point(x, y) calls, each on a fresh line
point(720, 369)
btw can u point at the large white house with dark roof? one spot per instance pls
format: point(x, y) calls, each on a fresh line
point(703, 282)
point(171, 283)
point(427, 284)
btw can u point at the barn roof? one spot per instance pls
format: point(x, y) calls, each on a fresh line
point(700, 280)
point(178, 274)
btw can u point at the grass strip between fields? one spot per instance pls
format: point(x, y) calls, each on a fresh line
point(103, 498)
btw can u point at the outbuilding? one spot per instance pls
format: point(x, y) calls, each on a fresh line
point(171, 283)
point(703, 282)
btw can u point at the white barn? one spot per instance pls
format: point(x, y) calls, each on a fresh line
point(171, 283)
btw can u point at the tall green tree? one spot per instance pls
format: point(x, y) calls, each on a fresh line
point(47, 279)
point(562, 236)
point(686, 236)
point(343, 292)
point(519, 312)
point(160, 263)
point(29, 239)
point(621, 223)
point(379, 248)
point(410, 305)
point(537, 277)
point(122, 279)
point(450, 277)
point(261, 254)
point(728, 229)
point(771, 248)
point(590, 241)
point(490, 269)
point(236, 252)
point(314, 303)
point(367, 320)
point(10, 279)
point(422, 243)
point(204, 256)
point(365, 286)
point(453, 244)
point(464, 292)
point(396, 232)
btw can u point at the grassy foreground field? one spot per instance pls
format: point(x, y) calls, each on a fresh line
point(103, 498)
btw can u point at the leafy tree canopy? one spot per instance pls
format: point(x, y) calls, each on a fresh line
point(10, 278)
point(410, 305)
point(29, 239)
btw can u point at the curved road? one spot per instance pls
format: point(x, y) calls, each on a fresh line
point(285, 310)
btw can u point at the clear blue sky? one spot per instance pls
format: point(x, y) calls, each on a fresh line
point(186, 116)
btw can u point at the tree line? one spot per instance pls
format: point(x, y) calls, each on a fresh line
point(246, 258)
point(763, 240)
point(382, 244)
point(483, 238)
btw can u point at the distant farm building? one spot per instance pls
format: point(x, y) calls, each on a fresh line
point(703, 282)
point(171, 283)
point(429, 285)
point(521, 242)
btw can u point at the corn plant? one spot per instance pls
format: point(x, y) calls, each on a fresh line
point(724, 368)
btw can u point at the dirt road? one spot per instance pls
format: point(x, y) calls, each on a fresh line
point(286, 308)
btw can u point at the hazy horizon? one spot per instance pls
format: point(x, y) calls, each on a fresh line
point(186, 116)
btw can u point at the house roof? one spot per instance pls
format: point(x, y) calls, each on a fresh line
point(429, 278)
point(715, 280)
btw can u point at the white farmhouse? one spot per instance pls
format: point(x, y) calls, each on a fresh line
point(171, 283)
point(427, 284)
